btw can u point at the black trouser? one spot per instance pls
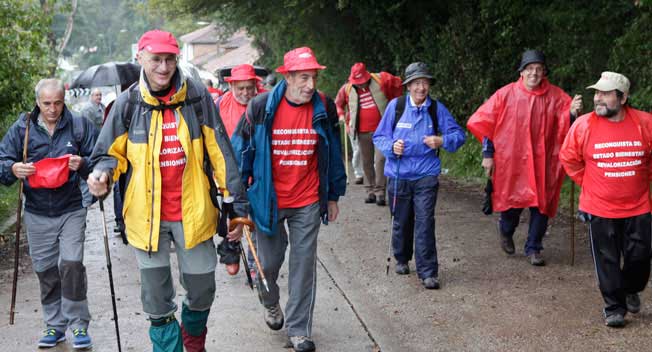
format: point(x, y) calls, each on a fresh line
point(611, 239)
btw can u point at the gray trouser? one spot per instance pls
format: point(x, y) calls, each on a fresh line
point(303, 224)
point(196, 269)
point(356, 159)
point(56, 246)
point(373, 163)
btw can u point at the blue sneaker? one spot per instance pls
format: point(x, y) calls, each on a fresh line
point(51, 338)
point(81, 339)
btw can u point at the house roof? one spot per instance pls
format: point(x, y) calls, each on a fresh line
point(246, 54)
point(205, 35)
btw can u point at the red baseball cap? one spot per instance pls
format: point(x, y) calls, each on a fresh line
point(299, 59)
point(158, 42)
point(242, 72)
point(50, 172)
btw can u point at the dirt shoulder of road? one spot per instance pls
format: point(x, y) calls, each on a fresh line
point(489, 301)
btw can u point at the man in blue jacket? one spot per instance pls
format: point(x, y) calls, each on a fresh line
point(54, 217)
point(410, 143)
point(288, 145)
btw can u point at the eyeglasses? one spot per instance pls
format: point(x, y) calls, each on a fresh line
point(158, 60)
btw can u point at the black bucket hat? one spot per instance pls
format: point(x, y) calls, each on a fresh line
point(416, 70)
point(533, 56)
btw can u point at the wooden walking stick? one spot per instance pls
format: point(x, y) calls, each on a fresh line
point(248, 224)
point(572, 223)
point(346, 153)
point(18, 217)
point(572, 205)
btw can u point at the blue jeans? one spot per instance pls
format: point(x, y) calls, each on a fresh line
point(414, 223)
point(509, 220)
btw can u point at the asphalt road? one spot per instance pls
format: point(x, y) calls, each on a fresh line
point(488, 302)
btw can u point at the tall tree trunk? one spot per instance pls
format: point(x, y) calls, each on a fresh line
point(69, 25)
point(47, 6)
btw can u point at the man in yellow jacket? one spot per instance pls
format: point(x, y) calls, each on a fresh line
point(165, 135)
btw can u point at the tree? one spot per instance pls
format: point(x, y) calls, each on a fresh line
point(24, 55)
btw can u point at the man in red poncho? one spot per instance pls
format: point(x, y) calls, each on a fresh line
point(522, 127)
point(608, 154)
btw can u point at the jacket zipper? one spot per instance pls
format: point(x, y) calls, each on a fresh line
point(151, 217)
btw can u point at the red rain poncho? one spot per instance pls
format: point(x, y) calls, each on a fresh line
point(527, 129)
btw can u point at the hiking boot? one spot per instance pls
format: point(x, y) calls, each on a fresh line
point(536, 259)
point(302, 344)
point(51, 338)
point(431, 283)
point(402, 268)
point(633, 303)
point(274, 316)
point(381, 202)
point(615, 320)
point(80, 339)
point(358, 181)
point(506, 242)
point(370, 199)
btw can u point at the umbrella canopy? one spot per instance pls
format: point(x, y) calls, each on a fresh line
point(108, 74)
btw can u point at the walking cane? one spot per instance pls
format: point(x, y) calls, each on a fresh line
point(391, 221)
point(108, 266)
point(572, 223)
point(346, 153)
point(248, 224)
point(572, 217)
point(18, 216)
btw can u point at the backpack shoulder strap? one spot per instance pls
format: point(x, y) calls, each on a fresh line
point(78, 130)
point(132, 102)
point(376, 77)
point(348, 88)
point(432, 111)
point(193, 98)
point(399, 109)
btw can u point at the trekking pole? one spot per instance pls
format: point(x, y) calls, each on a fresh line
point(346, 153)
point(18, 217)
point(248, 224)
point(243, 255)
point(391, 221)
point(571, 215)
point(108, 267)
point(572, 223)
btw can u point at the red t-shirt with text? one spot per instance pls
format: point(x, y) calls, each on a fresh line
point(294, 156)
point(172, 161)
point(369, 115)
point(615, 181)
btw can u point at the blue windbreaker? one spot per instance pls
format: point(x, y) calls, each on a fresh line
point(252, 145)
point(418, 159)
